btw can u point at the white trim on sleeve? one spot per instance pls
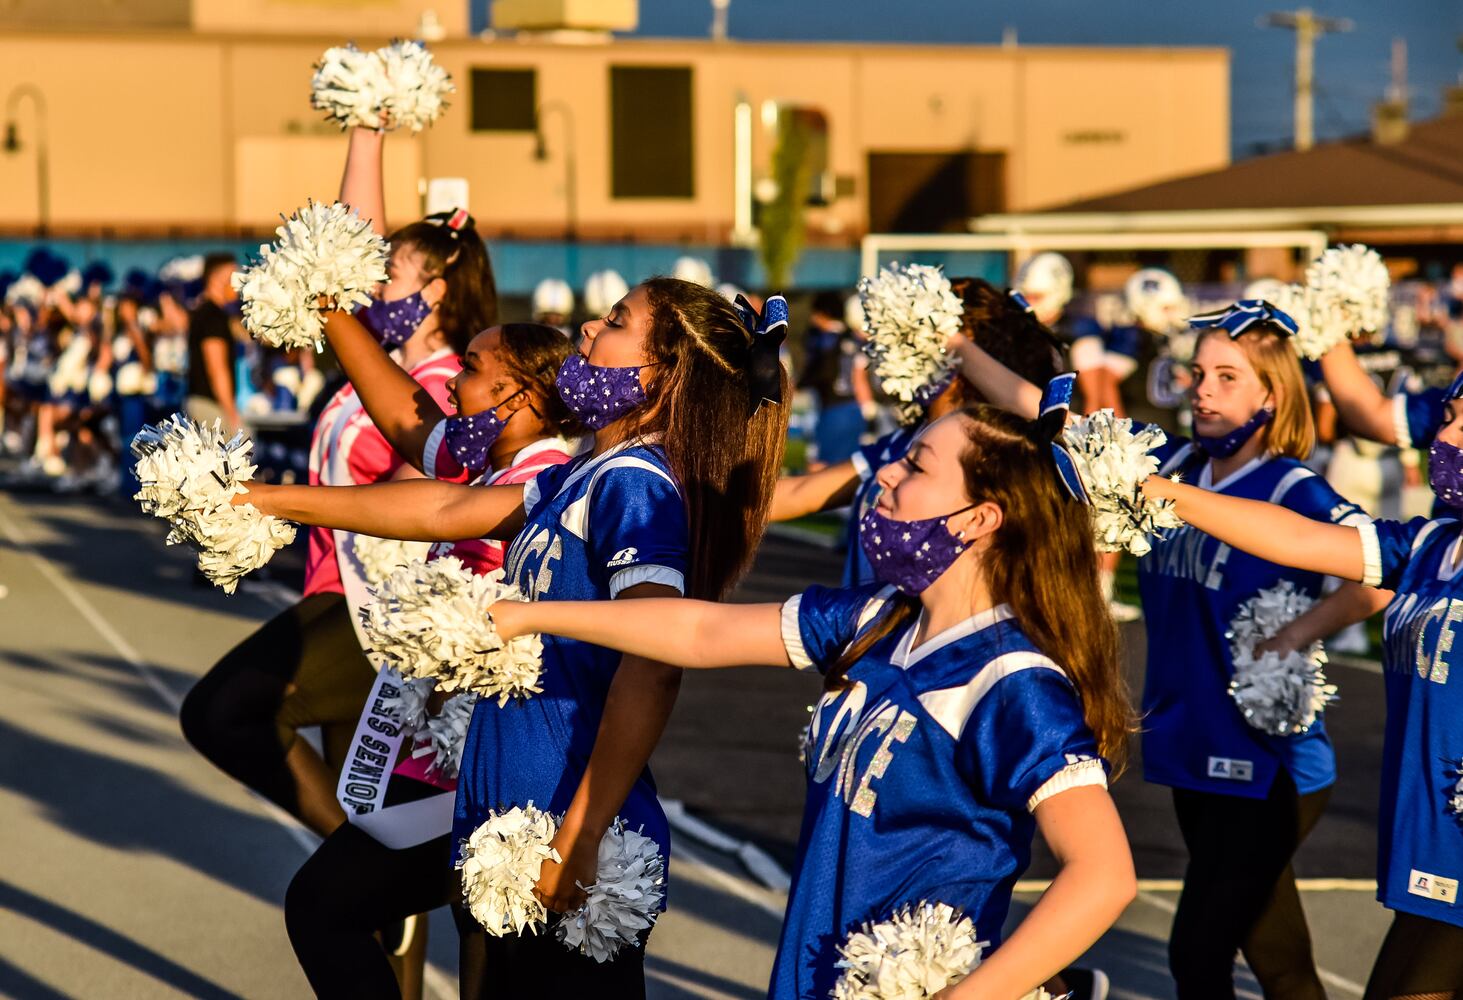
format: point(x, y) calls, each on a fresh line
point(1079, 775)
point(861, 465)
point(432, 448)
point(792, 634)
point(1371, 555)
point(631, 576)
point(1400, 426)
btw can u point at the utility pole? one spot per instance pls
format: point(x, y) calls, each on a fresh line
point(1307, 27)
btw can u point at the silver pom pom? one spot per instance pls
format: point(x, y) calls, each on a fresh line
point(1350, 287)
point(379, 556)
point(409, 705)
point(500, 866)
point(399, 85)
point(446, 734)
point(914, 954)
point(1280, 695)
point(624, 900)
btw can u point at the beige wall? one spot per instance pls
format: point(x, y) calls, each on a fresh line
point(351, 17)
point(212, 130)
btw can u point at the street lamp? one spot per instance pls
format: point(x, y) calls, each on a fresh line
point(541, 153)
point(13, 144)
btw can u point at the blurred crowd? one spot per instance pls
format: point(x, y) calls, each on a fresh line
point(87, 357)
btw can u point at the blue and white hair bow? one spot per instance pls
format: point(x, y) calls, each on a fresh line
point(1020, 300)
point(1236, 319)
point(1455, 391)
point(764, 365)
point(1056, 401)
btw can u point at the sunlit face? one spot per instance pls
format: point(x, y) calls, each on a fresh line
point(928, 481)
point(1452, 430)
point(407, 274)
point(1046, 306)
point(1226, 390)
point(484, 382)
point(618, 339)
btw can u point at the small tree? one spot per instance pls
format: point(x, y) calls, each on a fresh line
point(781, 226)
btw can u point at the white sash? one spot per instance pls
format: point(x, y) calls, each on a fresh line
point(366, 772)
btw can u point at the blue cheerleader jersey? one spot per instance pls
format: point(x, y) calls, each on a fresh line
point(595, 526)
point(1416, 416)
point(868, 460)
point(923, 775)
point(1420, 840)
point(1194, 736)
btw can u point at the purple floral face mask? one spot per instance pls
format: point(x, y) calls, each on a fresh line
point(599, 396)
point(394, 322)
point(1224, 447)
point(469, 439)
point(910, 555)
point(1445, 472)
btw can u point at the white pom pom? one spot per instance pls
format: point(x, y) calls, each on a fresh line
point(416, 87)
point(446, 734)
point(99, 386)
point(430, 619)
point(400, 85)
point(1280, 695)
point(913, 955)
point(189, 473)
point(1455, 801)
point(1350, 287)
point(500, 866)
point(134, 380)
point(379, 556)
point(349, 86)
point(323, 252)
point(624, 900)
point(1114, 463)
point(911, 312)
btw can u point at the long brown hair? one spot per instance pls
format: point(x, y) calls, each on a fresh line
point(725, 457)
point(460, 258)
point(998, 325)
point(1042, 562)
point(1292, 431)
point(533, 354)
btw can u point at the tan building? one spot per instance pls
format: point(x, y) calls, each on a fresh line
point(200, 122)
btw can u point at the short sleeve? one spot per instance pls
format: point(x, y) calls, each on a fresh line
point(1307, 493)
point(1416, 416)
point(1387, 547)
point(546, 484)
point(1025, 739)
point(637, 529)
point(819, 623)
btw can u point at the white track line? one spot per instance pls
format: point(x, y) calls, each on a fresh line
point(436, 981)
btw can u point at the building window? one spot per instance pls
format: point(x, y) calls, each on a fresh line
point(651, 151)
point(504, 100)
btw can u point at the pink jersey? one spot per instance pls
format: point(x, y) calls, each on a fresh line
point(481, 555)
point(348, 450)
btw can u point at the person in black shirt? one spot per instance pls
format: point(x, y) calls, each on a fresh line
point(833, 367)
point(211, 346)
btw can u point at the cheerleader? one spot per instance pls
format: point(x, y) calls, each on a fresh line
point(306, 666)
point(510, 425)
point(1004, 327)
point(969, 698)
point(671, 498)
point(1420, 845)
point(1244, 799)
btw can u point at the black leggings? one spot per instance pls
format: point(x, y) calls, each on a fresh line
point(303, 667)
point(1421, 959)
point(353, 886)
point(1240, 895)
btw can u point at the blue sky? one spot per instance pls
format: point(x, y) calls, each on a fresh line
point(1352, 70)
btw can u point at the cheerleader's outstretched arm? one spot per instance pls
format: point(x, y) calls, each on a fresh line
point(421, 510)
point(1268, 530)
point(826, 489)
point(362, 186)
point(996, 382)
point(678, 631)
point(1094, 885)
point(1366, 410)
point(403, 411)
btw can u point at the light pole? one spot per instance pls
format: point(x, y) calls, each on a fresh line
point(1307, 27)
point(13, 144)
point(541, 152)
